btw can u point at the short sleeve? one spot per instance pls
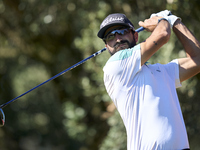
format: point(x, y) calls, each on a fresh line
point(173, 71)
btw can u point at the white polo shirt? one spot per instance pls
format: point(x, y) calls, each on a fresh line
point(146, 99)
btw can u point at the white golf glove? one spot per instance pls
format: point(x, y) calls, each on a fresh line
point(167, 15)
point(171, 19)
point(163, 14)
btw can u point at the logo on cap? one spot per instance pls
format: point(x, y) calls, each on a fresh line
point(112, 19)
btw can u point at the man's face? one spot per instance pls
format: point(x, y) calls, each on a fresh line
point(118, 38)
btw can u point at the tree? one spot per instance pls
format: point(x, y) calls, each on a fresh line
point(40, 39)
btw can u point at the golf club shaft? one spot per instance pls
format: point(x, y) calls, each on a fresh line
point(61, 73)
point(57, 75)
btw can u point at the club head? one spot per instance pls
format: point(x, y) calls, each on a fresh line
point(2, 122)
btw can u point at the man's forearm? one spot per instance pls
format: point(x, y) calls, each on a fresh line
point(187, 39)
point(160, 35)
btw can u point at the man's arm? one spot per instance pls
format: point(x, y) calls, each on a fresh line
point(160, 35)
point(189, 66)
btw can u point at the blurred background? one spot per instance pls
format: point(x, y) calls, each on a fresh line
point(40, 38)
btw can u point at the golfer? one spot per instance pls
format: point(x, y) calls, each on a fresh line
point(145, 95)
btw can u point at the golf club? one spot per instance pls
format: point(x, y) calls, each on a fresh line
point(57, 75)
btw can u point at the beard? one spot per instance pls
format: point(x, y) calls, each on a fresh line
point(124, 44)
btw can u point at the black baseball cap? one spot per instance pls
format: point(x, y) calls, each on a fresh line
point(112, 20)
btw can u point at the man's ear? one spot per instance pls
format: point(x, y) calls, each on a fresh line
point(136, 37)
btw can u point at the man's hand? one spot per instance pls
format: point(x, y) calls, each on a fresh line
point(150, 24)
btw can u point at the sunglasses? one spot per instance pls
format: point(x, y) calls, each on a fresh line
point(110, 36)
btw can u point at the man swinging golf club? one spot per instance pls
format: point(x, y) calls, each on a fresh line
point(145, 95)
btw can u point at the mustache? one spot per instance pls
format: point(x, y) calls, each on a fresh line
point(121, 42)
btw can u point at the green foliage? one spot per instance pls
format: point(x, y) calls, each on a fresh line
point(39, 39)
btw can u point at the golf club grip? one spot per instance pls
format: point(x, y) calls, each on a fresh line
point(140, 29)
